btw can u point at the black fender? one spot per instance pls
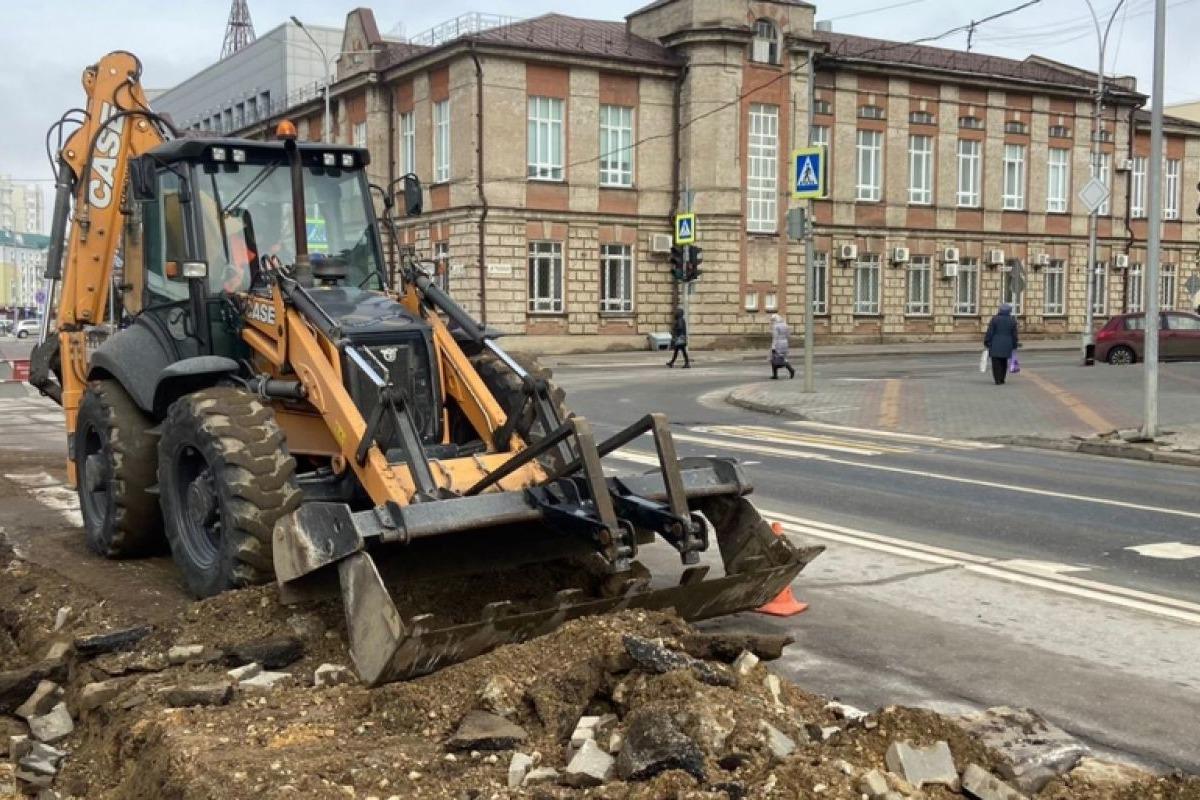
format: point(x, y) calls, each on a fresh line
point(154, 369)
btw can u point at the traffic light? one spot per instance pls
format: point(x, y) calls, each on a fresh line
point(679, 262)
point(695, 259)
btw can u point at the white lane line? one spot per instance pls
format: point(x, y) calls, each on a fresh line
point(759, 449)
point(964, 444)
point(1176, 551)
point(783, 437)
point(1013, 571)
point(1040, 567)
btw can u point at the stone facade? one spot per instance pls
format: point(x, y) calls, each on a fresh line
point(717, 96)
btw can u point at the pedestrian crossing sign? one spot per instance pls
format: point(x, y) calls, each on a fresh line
point(685, 228)
point(808, 172)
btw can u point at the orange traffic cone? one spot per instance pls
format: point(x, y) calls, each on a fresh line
point(785, 603)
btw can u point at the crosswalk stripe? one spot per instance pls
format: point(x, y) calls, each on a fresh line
point(916, 438)
point(1175, 551)
point(784, 437)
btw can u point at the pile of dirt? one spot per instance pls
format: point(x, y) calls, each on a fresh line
point(659, 707)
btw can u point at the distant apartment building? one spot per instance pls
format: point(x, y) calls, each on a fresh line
point(22, 206)
point(22, 264)
point(556, 150)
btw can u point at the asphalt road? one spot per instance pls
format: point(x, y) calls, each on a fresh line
point(958, 574)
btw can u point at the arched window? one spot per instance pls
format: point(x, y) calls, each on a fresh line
point(765, 48)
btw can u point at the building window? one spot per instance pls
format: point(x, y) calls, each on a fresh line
point(252, 108)
point(920, 169)
point(1014, 177)
point(871, 112)
point(822, 107)
point(544, 142)
point(1135, 288)
point(616, 146)
point(1015, 126)
point(1058, 179)
point(968, 173)
point(1171, 189)
point(358, 136)
point(1054, 301)
point(762, 172)
point(770, 301)
point(1007, 295)
point(820, 287)
point(408, 143)
point(616, 278)
point(1166, 287)
point(920, 286)
point(866, 285)
point(1060, 132)
point(765, 47)
point(870, 165)
point(1100, 289)
point(970, 123)
point(1105, 175)
point(1137, 191)
point(441, 141)
point(545, 278)
point(920, 118)
point(750, 303)
point(819, 134)
point(441, 261)
point(966, 288)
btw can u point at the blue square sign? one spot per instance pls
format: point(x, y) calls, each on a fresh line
point(808, 172)
point(685, 228)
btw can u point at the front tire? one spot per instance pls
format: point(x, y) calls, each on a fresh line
point(22, 334)
point(508, 390)
point(225, 478)
point(115, 457)
point(1121, 355)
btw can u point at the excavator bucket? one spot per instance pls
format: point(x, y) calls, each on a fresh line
point(502, 567)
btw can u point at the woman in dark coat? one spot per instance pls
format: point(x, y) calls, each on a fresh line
point(679, 339)
point(1001, 341)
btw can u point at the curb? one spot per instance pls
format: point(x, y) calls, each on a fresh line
point(1106, 449)
point(762, 408)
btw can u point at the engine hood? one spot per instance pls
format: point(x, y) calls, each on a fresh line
point(360, 312)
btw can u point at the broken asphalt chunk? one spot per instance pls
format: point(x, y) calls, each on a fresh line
point(653, 656)
point(206, 694)
point(275, 652)
point(111, 642)
point(653, 744)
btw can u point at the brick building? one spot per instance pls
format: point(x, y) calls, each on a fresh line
point(555, 151)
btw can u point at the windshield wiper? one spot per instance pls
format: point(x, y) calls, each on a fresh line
point(250, 187)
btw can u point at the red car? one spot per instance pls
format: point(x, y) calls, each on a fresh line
point(1121, 341)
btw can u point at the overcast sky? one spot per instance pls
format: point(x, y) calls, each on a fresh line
point(48, 42)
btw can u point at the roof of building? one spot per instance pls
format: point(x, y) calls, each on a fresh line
point(560, 34)
point(32, 240)
point(1032, 69)
point(660, 3)
point(1142, 118)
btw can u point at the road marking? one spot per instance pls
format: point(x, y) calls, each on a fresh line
point(889, 404)
point(916, 438)
point(759, 449)
point(1082, 411)
point(1175, 551)
point(1013, 570)
point(783, 436)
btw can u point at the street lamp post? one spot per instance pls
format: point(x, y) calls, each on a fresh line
point(325, 61)
point(1087, 343)
point(1154, 225)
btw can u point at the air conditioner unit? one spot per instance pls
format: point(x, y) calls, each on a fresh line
point(1041, 260)
point(950, 256)
point(760, 51)
point(950, 269)
point(660, 243)
point(900, 255)
point(1121, 261)
point(848, 252)
point(995, 258)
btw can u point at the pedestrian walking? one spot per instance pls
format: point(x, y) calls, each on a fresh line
point(679, 340)
point(1001, 341)
point(779, 347)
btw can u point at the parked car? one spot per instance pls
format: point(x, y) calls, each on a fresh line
point(27, 327)
point(1123, 339)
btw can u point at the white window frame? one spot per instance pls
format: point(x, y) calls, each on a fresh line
point(1168, 286)
point(546, 255)
point(868, 148)
point(1105, 178)
point(970, 159)
point(1137, 189)
point(1017, 301)
point(616, 146)
point(441, 141)
point(770, 301)
point(1171, 173)
point(1013, 197)
point(967, 304)
point(441, 258)
point(1099, 278)
point(765, 30)
point(919, 289)
point(762, 169)
point(616, 279)
point(1054, 298)
point(544, 138)
point(866, 293)
point(408, 142)
point(820, 298)
point(1058, 180)
point(818, 135)
point(1135, 289)
point(358, 134)
point(920, 169)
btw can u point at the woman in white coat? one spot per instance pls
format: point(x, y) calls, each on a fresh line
point(779, 347)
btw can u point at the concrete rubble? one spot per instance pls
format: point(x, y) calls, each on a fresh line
point(518, 768)
point(590, 766)
point(923, 766)
point(1036, 750)
point(481, 730)
point(204, 694)
point(982, 785)
point(53, 726)
point(264, 681)
point(332, 675)
point(654, 744)
point(94, 695)
point(44, 698)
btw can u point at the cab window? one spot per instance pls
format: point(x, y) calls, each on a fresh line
point(165, 240)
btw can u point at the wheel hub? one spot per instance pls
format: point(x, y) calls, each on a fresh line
point(95, 472)
point(202, 501)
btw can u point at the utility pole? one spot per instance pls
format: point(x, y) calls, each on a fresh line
point(810, 269)
point(1154, 223)
point(324, 60)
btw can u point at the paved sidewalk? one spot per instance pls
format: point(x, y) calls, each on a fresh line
point(1048, 399)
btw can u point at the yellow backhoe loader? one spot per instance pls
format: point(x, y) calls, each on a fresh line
point(270, 406)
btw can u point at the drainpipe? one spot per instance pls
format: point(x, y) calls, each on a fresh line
point(1129, 198)
point(676, 147)
point(391, 148)
point(479, 187)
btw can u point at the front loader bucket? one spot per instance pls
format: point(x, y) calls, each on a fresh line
point(387, 645)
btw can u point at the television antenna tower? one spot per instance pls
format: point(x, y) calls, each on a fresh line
point(240, 30)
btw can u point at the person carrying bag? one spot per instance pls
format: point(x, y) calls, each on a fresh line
point(1001, 342)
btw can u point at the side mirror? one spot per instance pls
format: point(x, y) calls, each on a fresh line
point(142, 179)
point(412, 195)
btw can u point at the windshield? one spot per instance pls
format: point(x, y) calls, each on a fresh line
point(247, 216)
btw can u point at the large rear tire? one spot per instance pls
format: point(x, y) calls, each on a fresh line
point(508, 390)
point(115, 457)
point(225, 477)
